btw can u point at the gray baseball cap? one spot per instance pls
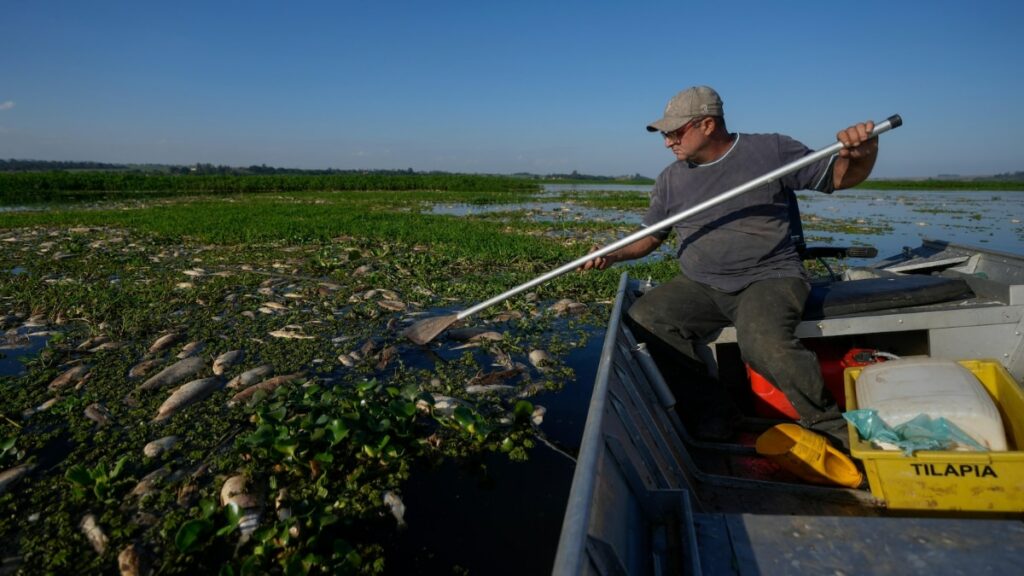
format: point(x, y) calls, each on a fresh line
point(687, 105)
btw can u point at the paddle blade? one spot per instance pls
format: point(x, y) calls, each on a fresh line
point(429, 328)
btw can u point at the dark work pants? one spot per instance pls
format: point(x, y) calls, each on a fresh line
point(682, 313)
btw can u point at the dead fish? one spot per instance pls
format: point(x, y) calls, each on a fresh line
point(267, 386)
point(184, 285)
point(491, 389)
point(251, 376)
point(93, 533)
point(232, 487)
point(465, 334)
point(12, 475)
point(227, 360)
point(397, 507)
point(98, 413)
point(73, 375)
point(149, 482)
point(159, 446)
point(180, 370)
point(187, 394)
point(194, 273)
point(92, 342)
point(190, 349)
point(538, 415)
point(164, 342)
point(488, 378)
point(386, 356)
point(133, 561)
point(142, 368)
point(346, 360)
point(393, 305)
point(541, 359)
point(567, 306)
point(41, 408)
point(443, 405)
point(507, 315)
point(290, 335)
point(275, 306)
point(234, 491)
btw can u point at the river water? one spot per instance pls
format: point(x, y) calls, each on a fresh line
point(993, 220)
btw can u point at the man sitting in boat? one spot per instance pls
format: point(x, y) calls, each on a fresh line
point(740, 265)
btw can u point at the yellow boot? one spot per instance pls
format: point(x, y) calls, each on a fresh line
point(808, 455)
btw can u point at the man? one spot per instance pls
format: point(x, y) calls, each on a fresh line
point(739, 262)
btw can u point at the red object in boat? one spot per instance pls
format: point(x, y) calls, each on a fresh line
point(770, 402)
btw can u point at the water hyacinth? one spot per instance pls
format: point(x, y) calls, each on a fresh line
point(337, 414)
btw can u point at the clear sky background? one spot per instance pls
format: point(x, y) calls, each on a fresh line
point(501, 87)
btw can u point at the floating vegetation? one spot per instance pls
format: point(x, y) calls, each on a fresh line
point(280, 362)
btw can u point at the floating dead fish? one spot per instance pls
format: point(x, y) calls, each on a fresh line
point(567, 306)
point(142, 368)
point(267, 386)
point(41, 408)
point(164, 342)
point(393, 305)
point(251, 376)
point(92, 342)
point(275, 306)
point(93, 533)
point(397, 507)
point(538, 415)
point(195, 272)
point(158, 447)
point(541, 359)
point(443, 405)
point(133, 561)
point(491, 389)
point(184, 285)
point(98, 413)
point(362, 270)
point(386, 356)
point(72, 376)
point(290, 334)
point(227, 360)
point(186, 395)
point(190, 349)
point(465, 334)
point(346, 360)
point(293, 296)
point(507, 315)
point(180, 370)
point(12, 475)
point(235, 491)
point(149, 482)
point(488, 378)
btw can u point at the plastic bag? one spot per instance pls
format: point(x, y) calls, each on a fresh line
point(920, 433)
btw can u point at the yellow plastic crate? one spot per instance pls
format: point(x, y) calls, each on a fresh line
point(951, 480)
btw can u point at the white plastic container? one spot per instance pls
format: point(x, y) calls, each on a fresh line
point(902, 389)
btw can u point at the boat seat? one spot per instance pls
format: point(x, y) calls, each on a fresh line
point(884, 293)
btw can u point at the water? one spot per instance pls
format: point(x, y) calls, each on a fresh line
point(993, 220)
point(495, 516)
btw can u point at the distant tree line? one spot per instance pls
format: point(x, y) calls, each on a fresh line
point(33, 187)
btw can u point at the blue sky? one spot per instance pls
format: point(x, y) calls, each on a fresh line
point(543, 87)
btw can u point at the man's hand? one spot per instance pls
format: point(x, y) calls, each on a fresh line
point(857, 141)
point(857, 157)
point(598, 263)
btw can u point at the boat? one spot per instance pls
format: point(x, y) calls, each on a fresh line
point(648, 497)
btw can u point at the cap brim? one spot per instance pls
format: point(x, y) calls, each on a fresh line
point(667, 124)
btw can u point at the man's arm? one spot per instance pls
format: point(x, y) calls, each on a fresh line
point(857, 158)
point(638, 249)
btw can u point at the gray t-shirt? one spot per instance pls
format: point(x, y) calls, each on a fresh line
point(748, 237)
